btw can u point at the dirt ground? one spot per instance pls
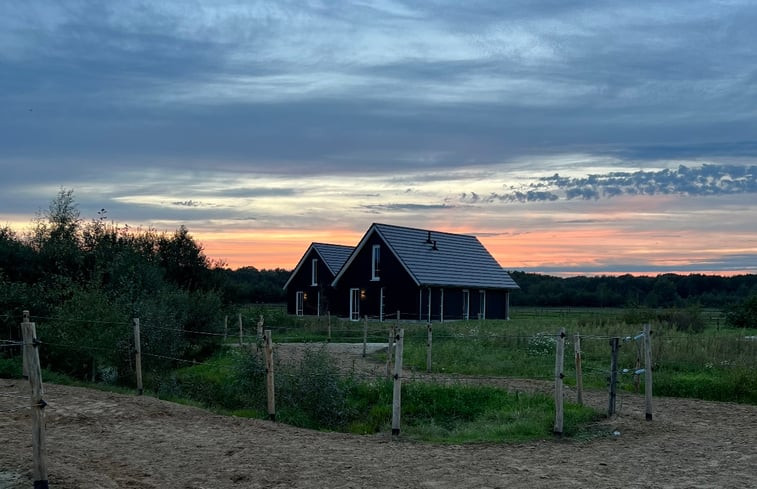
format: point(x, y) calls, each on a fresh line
point(103, 440)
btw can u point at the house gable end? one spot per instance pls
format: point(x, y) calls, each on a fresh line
point(363, 244)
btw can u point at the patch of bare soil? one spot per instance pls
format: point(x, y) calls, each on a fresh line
point(103, 440)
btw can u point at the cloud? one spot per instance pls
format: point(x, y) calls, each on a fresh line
point(404, 207)
point(706, 180)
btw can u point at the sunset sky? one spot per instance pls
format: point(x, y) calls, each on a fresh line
point(570, 137)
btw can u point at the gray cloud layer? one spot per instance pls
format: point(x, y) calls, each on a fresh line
point(306, 113)
point(704, 180)
point(305, 87)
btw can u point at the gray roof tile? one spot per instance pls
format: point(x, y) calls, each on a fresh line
point(458, 260)
point(333, 255)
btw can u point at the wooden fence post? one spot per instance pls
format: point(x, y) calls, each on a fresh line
point(34, 371)
point(269, 375)
point(648, 370)
point(579, 370)
point(397, 393)
point(389, 348)
point(328, 316)
point(259, 332)
point(138, 356)
point(24, 366)
point(225, 327)
point(559, 363)
point(636, 375)
point(614, 347)
point(428, 346)
point(241, 331)
point(365, 334)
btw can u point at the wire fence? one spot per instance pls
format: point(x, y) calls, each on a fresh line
point(459, 351)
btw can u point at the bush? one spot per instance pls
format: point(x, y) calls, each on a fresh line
point(314, 393)
point(743, 315)
point(687, 320)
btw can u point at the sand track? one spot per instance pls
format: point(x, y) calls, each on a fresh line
point(104, 440)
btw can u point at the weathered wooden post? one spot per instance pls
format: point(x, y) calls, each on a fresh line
point(138, 356)
point(241, 331)
point(428, 346)
point(397, 393)
point(24, 366)
point(648, 371)
point(259, 333)
point(34, 371)
point(269, 375)
point(637, 370)
point(389, 348)
point(614, 347)
point(328, 316)
point(579, 370)
point(225, 327)
point(559, 363)
point(365, 334)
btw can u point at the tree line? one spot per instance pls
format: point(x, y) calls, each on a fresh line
point(662, 291)
point(87, 280)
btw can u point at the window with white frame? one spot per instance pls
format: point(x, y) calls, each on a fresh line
point(482, 304)
point(314, 272)
point(375, 262)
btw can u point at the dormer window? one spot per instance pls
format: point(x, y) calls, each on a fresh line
point(375, 262)
point(314, 272)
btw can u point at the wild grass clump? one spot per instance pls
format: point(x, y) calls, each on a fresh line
point(468, 413)
point(712, 384)
point(11, 368)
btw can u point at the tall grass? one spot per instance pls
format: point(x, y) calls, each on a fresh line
point(687, 344)
point(312, 393)
point(715, 364)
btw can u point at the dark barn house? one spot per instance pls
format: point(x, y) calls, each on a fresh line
point(425, 275)
point(308, 289)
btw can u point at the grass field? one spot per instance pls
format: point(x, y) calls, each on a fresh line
point(715, 363)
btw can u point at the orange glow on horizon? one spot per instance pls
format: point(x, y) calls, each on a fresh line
point(277, 248)
point(268, 248)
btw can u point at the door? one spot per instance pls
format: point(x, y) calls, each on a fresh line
point(300, 303)
point(354, 304)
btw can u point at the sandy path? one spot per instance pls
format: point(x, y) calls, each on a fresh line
point(103, 440)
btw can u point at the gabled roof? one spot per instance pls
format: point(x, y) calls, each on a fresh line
point(448, 260)
point(333, 256)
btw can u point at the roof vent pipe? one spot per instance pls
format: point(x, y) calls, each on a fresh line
point(434, 247)
point(428, 240)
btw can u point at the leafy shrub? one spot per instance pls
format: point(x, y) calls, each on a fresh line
point(743, 315)
point(686, 320)
point(316, 389)
point(10, 367)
